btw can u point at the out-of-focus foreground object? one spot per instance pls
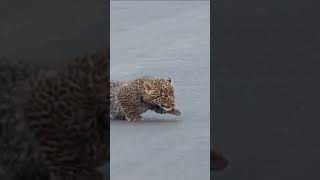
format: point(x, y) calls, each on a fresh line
point(218, 161)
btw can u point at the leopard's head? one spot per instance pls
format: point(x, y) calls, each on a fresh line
point(159, 92)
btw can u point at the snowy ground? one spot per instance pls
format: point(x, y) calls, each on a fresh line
point(163, 39)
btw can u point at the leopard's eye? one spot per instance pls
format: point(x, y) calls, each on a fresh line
point(164, 94)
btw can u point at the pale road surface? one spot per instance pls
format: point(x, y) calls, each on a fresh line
point(163, 38)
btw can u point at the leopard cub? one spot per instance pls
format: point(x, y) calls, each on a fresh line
point(129, 99)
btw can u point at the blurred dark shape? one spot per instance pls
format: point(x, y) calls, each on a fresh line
point(218, 161)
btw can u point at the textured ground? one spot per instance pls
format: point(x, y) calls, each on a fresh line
point(164, 39)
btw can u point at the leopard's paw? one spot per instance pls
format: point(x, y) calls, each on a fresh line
point(135, 118)
point(175, 112)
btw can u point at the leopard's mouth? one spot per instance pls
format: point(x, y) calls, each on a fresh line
point(167, 108)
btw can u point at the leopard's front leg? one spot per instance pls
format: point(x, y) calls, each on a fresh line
point(133, 116)
point(130, 112)
point(128, 106)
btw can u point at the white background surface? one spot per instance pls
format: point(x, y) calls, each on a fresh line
point(163, 38)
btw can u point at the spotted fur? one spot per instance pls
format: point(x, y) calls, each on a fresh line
point(19, 155)
point(129, 99)
point(66, 113)
point(59, 130)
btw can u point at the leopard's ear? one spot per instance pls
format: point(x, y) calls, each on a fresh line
point(169, 79)
point(148, 86)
